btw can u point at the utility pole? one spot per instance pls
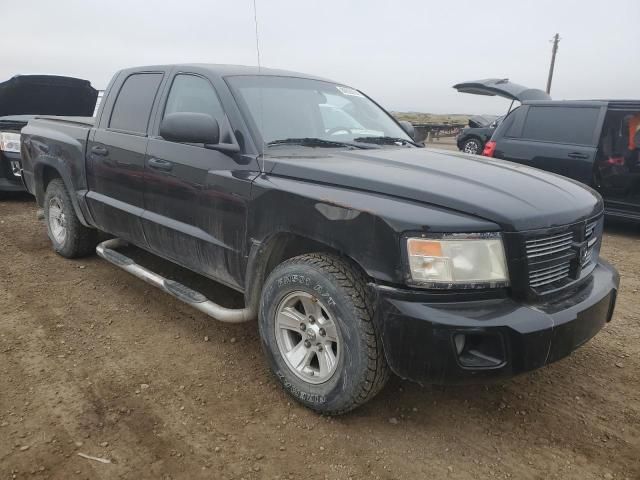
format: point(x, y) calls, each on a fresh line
point(554, 50)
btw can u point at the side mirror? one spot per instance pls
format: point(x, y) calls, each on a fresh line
point(190, 127)
point(408, 128)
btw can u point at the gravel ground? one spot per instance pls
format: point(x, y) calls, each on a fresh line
point(96, 362)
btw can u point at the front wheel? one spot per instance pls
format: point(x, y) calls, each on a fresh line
point(473, 146)
point(317, 331)
point(68, 236)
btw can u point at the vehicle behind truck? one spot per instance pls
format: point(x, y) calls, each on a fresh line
point(594, 142)
point(21, 99)
point(358, 252)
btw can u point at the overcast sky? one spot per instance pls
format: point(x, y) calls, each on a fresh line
point(404, 53)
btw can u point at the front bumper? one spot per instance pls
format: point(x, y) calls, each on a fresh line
point(501, 336)
point(8, 181)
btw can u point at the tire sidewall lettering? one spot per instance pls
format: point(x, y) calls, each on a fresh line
point(325, 393)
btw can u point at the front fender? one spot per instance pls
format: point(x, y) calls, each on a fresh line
point(365, 226)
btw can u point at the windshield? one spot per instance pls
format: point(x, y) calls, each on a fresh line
point(284, 108)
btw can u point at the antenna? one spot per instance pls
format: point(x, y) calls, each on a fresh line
point(255, 20)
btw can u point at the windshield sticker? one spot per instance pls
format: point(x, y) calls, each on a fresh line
point(350, 91)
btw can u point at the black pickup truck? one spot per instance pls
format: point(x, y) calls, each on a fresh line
point(359, 252)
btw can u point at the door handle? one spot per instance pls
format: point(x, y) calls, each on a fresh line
point(582, 156)
point(99, 150)
point(160, 164)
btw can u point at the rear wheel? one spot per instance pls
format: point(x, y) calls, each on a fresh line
point(473, 146)
point(317, 331)
point(68, 236)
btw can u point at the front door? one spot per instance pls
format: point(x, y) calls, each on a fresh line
point(115, 158)
point(196, 198)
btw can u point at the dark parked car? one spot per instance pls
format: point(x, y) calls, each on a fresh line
point(593, 142)
point(24, 96)
point(359, 252)
point(473, 138)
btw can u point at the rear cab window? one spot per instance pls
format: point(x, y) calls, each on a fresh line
point(133, 105)
point(571, 125)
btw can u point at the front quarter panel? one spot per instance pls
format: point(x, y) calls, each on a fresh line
point(365, 226)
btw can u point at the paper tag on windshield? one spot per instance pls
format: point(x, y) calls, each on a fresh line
point(349, 91)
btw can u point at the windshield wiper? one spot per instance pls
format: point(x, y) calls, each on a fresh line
point(313, 142)
point(385, 141)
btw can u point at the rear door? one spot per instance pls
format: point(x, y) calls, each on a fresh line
point(196, 198)
point(116, 153)
point(557, 138)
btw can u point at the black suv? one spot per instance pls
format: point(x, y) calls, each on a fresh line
point(594, 142)
point(474, 138)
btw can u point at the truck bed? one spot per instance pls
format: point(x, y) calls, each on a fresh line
point(85, 121)
point(63, 141)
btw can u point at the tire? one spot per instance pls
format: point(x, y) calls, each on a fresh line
point(336, 292)
point(473, 146)
point(68, 236)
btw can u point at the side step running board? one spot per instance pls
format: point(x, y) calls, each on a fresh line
point(107, 250)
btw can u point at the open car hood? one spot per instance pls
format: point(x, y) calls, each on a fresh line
point(481, 121)
point(47, 95)
point(502, 87)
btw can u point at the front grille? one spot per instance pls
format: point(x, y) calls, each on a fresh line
point(558, 259)
point(542, 247)
point(544, 276)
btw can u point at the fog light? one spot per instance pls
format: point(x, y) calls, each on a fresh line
point(480, 350)
point(459, 340)
point(15, 168)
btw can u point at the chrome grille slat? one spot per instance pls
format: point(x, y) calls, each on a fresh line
point(549, 246)
point(545, 271)
point(558, 273)
point(551, 239)
point(549, 252)
point(548, 281)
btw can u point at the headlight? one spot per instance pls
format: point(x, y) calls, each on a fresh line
point(458, 261)
point(10, 142)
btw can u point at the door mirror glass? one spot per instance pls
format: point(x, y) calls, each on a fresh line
point(190, 127)
point(408, 127)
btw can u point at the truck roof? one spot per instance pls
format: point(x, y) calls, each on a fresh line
point(223, 70)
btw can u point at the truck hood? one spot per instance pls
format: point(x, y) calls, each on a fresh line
point(502, 87)
point(47, 95)
point(515, 197)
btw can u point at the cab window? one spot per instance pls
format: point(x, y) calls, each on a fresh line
point(134, 102)
point(191, 93)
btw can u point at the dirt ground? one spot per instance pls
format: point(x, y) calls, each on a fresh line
point(94, 361)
